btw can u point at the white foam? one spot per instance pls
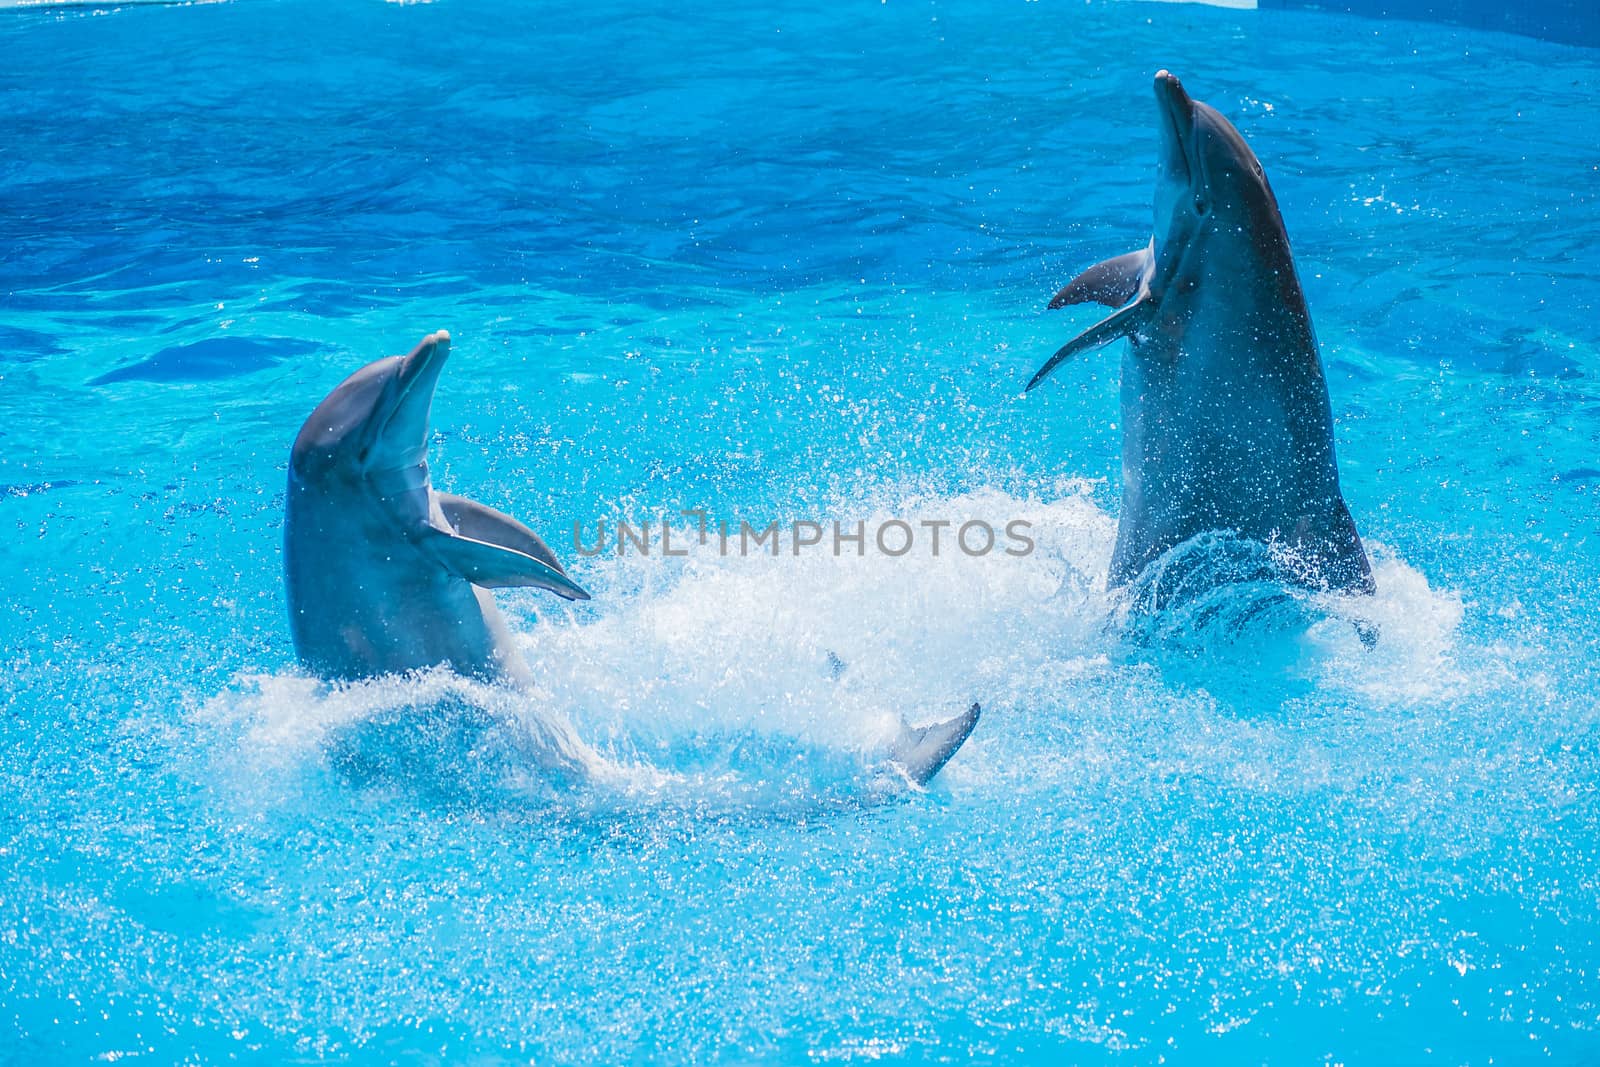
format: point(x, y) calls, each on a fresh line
point(714, 642)
point(722, 669)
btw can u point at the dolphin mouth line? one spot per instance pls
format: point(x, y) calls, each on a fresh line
point(1179, 126)
point(427, 362)
point(417, 366)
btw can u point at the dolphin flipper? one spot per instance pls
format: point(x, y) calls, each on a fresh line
point(1119, 323)
point(921, 752)
point(494, 567)
point(483, 523)
point(1112, 282)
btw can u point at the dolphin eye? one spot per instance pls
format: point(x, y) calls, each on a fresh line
point(1201, 205)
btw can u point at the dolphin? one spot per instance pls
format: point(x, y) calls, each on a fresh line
point(1226, 424)
point(386, 574)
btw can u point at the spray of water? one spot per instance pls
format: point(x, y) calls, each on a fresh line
point(766, 682)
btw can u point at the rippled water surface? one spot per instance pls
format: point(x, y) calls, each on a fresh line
point(781, 264)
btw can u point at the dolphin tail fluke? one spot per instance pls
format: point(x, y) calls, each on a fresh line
point(1119, 323)
point(1112, 282)
point(921, 752)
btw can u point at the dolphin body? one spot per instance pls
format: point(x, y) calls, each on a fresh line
point(386, 574)
point(1226, 424)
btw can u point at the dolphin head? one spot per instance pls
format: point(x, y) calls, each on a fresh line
point(1214, 215)
point(1208, 180)
point(374, 426)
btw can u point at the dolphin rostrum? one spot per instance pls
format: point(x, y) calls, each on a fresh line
point(1226, 424)
point(386, 574)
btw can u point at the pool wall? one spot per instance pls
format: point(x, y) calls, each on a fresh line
point(1568, 21)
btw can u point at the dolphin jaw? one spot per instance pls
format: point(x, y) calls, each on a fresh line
point(1182, 183)
point(1177, 127)
point(399, 438)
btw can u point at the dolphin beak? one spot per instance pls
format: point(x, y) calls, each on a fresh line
point(406, 427)
point(1177, 125)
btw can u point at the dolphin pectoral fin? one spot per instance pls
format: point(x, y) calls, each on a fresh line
point(483, 523)
point(494, 567)
point(921, 752)
point(1119, 323)
point(1112, 282)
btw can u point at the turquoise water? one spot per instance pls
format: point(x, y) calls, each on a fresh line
point(785, 265)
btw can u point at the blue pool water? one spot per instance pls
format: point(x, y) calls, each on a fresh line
point(785, 264)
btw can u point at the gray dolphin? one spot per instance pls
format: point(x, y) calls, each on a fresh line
point(384, 572)
point(387, 574)
point(1225, 417)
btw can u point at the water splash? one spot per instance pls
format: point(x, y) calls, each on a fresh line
point(752, 683)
